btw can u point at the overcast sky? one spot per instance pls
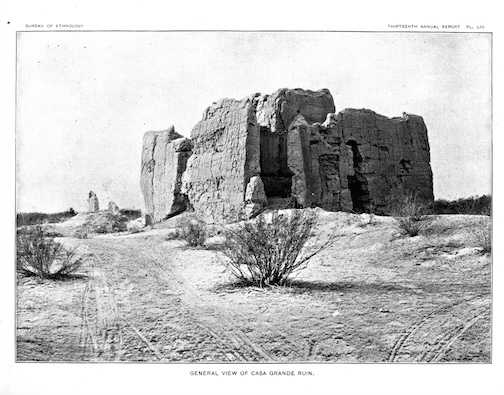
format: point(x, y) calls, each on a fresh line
point(84, 100)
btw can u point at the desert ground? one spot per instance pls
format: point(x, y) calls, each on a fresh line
point(374, 296)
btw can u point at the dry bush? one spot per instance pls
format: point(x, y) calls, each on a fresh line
point(81, 234)
point(476, 205)
point(410, 215)
point(192, 230)
point(131, 214)
point(266, 251)
point(135, 229)
point(29, 219)
point(482, 235)
point(38, 254)
point(364, 219)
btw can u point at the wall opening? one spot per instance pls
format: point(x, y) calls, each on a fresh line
point(275, 173)
point(357, 183)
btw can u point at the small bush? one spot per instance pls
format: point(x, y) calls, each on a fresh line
point(364, 219)
point(474, 205)
point(410, 215)
point(81, 234)
point(135, 229)
point(192, 230)
point(266, 252)
point(40, 255)
point(482, 235)
point(29, 219)
point(102, 229)
point(131, 213)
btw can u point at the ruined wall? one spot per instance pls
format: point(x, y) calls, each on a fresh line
point(164, 158)
point(320, 163)
point(275, 113)
point(390, 156)
point(278, 110)
point(225, 159)
point(362, 161)
point(93, 204)
point(288, 148)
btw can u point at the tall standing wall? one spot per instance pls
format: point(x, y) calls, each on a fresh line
point(359, 160)
point(390, 158)
point(164, 158)
point(275, 113)
point(225, 159)
point(288, 147)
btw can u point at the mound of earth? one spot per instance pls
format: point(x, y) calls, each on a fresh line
point(84, 224)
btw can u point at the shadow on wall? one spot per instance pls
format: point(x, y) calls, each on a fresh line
point(357, 183)
point(275, 173)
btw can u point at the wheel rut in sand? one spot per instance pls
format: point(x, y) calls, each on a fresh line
point(105, 334)
point(203, 321)
point(431, 337)
point(103, 329)
point(207, 316)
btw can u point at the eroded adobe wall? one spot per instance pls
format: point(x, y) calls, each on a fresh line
point(275, 113)
point(225, 161)
point(164, 159)
point(278, 110)
point(320, 163)
point(391, 156)
point(288, 146)
point(362, 161)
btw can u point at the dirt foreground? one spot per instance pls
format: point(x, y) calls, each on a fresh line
point(374, 296)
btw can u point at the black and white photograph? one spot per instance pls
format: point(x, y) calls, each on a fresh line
point(262, 202)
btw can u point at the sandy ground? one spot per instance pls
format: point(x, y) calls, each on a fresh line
point(374, 296)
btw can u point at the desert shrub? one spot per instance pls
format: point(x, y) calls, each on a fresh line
point(118, 223)
point(192, 230)
point(135, 229)
point(131, 213)
point(482, 235)
point(102, 229)
point(29, 219)
point(410, 215)
point(474, 205)
point(40, 255)
point(81, 234)
point(266, 251)
point(364, 219)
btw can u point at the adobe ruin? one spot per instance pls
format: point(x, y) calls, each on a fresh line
point(93, 204)
point(288, 149)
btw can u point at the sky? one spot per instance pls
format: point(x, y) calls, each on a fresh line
point(85, 99)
